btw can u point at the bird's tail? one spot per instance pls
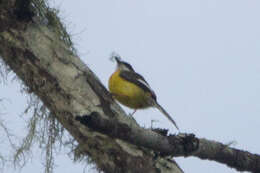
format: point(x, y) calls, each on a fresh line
point(166, 114)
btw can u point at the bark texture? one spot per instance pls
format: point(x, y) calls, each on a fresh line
point(175, 145)
point(34, 50)
point(68, 88)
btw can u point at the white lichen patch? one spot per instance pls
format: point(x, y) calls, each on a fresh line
point(64, 71)
point(129, 148)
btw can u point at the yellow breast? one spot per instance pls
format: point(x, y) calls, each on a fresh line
point(127, 93)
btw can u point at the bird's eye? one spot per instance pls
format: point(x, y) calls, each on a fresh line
point(128, 66)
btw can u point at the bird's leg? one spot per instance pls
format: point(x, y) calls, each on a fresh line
point(133, 113)
point(110, 94)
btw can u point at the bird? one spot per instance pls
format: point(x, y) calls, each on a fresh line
point(131, 89)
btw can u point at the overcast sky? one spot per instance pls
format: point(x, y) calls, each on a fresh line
point(201, 57)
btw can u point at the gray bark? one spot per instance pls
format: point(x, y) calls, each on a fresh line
point(69, 89)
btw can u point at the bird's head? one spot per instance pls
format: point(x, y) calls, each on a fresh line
point(122, 65)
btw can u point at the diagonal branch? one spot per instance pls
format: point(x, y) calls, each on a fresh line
point(234, 158)
point(174, 145)
point(41, 59)
point(50, 69)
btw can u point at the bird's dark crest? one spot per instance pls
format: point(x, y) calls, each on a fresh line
point(127, 65)
point(116, 57)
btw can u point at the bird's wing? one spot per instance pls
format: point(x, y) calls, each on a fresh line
point(138, 80)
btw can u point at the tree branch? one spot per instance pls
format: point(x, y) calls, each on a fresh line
point(174, 145)
point(41, 59)
point(234, 158)
point(36, 52)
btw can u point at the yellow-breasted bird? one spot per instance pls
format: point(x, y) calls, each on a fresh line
point(132, 90)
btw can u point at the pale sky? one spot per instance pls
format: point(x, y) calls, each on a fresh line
point(201, 57)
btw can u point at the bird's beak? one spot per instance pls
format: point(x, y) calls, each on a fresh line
point(117, 60)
